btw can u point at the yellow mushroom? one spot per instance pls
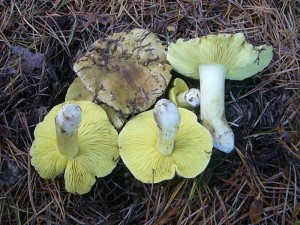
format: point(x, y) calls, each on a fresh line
point(78, 92)
point(180, 94)
point(157, 144)
point(76, 138)
point(212, 59)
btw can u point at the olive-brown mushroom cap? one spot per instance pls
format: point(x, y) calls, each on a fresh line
point(127, 71)
point(137, 143)
point(98, 150)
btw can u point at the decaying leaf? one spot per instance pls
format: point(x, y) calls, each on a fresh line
point(29, 60)
point(256, 210)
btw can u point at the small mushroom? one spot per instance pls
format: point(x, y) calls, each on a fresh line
point(211, 59)
point(76, 138)
point(180, 94)
point(127, 71)
point(157, 144)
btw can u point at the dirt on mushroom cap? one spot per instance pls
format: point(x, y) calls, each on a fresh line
point(127, 71)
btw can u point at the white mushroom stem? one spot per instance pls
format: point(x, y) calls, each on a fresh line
point(193, 97)
point(212, 84)
point(190, 98)
point(67, 123)
point(168, 120)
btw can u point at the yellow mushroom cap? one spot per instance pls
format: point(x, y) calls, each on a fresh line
point(241, 59)
point(98, 149)
point(77, 92)
point(128, 71)
point(178, 86)
point(137, 143)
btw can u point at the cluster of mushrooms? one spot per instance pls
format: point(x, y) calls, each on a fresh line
point(106, 114)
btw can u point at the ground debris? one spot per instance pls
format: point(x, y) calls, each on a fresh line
point(29, 60)
point(256, 210)
point(11, 173)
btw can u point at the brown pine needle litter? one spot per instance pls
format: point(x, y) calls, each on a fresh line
point(258, 183)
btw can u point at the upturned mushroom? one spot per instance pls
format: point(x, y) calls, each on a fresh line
point(212, 59)
point(183, 96)
point(157, 144)
point(76, 138)
point(127, 71)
